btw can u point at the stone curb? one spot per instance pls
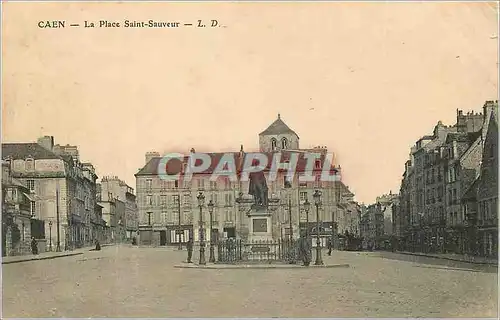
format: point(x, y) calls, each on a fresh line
point(247, 266)
point(43, 258)
point(446, 258)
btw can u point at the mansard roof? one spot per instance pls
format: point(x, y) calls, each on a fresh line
point(26, 150)
point(278, 127)
point(173, 165)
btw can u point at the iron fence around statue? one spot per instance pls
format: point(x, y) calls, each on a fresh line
point(239, 251)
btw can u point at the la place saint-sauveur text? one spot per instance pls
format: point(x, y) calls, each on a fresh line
point(127, 24)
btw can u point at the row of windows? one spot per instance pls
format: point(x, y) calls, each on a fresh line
point(488, 209)
point(165, 200)
point(274, 144)
point(172, 217)
point(199, 183)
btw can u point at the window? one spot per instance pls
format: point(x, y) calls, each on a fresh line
point(176, 200)
point(286, 182)
point(284, 143)
point(149, 183)
point(274, 144)
point(226, 183)
point(303, 196)
point(163, 199)
point(157, 217)
point(33, 208)
point(213, 184)
point(318, 164)
point(30, 164)
point(201, 183)
point(228, 198)
point(31, 184)
point(176, 184)
point(149, 200)
point(186, 200)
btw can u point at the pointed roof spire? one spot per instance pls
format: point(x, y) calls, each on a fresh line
point(277, 127)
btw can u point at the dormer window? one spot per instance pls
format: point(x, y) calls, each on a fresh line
point(274, 144)
point(30, 164)
point(284, 144)
point(318, 164)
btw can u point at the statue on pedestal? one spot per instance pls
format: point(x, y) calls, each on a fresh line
point(258, 189)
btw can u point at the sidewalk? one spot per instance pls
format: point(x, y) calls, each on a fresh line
point(256, 266)
point(454, 257)
point(44, 256)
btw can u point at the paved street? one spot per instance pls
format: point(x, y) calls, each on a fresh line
point(141, 282)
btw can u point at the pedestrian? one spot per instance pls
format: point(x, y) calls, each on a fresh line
point(190, 249)
point(304, 249)
point(330, 245)
point(34, 246)
point(97, 245)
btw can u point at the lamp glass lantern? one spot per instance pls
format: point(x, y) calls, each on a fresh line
point(201, 199)
point(307, 205)
point(317, 197)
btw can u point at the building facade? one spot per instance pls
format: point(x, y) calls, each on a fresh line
point(16, 214)
point(436, 185)
point(169, 213)
point(115, 188)
point(63, 187)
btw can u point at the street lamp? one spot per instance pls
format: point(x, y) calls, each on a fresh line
point(307, 207)
point(211, 211)
point(50, 235)
point(317, 202)
point(201, 202)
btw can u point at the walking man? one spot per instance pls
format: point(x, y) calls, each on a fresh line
point(189, 246)
point(34, 246)
point(304, 249)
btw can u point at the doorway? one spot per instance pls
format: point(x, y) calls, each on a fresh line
point(163, 238)
point(230, 232)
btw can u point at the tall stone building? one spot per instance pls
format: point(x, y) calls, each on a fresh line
point(440, 170)
point(65, 187)
point(169, 213)
point(16, 214)
point(480, 202)
point(115, 188)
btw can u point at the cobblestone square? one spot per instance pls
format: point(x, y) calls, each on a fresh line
point(126, 281)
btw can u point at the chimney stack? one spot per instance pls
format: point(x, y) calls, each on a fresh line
point(151, 155)
point(47, 142)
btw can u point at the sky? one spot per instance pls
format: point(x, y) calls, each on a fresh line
point(364, 79)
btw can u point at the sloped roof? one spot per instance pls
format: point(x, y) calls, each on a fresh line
point(471, 192)
point(25, 150)
point(174, 166)
point(277, 127)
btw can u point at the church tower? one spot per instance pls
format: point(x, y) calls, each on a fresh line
point(278, 136)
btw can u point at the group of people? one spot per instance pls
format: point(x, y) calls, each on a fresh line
point(34, 246)
point(305, 248)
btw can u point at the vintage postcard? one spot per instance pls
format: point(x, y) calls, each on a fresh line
point(249, 159)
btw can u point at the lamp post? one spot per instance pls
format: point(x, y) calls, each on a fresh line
point(180, 227)
point(50, 235)
point(317, 202)
point(58, 243)
point(307, 206)
point(211, 211)
point(290, 217)
point(201, 202)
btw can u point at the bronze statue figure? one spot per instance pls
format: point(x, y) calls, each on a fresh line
point(258, 188)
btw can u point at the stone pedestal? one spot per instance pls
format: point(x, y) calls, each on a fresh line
point(260, 226)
